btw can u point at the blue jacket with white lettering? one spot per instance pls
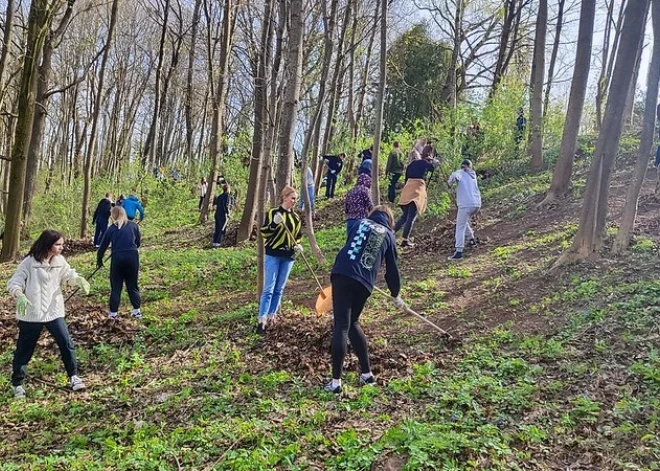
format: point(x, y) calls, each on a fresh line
point(369, 244)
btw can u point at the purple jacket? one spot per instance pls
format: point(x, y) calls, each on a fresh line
point(358, 200)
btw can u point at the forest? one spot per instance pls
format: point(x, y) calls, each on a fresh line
point(536, 350)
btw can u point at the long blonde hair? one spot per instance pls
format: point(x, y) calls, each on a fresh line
point(118, 214)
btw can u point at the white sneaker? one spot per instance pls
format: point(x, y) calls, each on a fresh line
point(77, 383)
point(19, 392)
point(136, 314)
point(215, 245)
point(272, 318)
point(112, 315)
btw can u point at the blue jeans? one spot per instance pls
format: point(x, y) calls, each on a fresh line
point(312, 194)
point(657, 157)
point(276, 274)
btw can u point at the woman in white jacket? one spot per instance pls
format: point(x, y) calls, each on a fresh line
point(36, 286)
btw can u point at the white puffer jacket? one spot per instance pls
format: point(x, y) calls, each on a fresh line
point(41, 282)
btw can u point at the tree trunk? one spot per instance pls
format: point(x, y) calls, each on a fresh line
point(260, 117)
point(561, 176)
point(608, 58)
point(189, 79)
point(380, 102)
point(39, 20)
point(630, 97)
point(293, 73)
point(91, 146)
point(6, 46)
point(553, 57)
point(219, 97)
point(536, 87)
point(34, 150)
point(646, 142)
point(149, 150)
point(590, 234)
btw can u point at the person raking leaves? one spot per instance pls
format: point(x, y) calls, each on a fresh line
point(370, 243)
point(37, 288)
point(282, 235)
point(468, 200)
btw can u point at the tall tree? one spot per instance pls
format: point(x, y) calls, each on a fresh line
point(591, 231)
point(91, 145)
point(561, 4)
point(218, 99)
point(536, 87)
point(293, 73)
point(39, 19)
point(380, 102)
point(189, 78)
point(561, 176)
point(646, 141)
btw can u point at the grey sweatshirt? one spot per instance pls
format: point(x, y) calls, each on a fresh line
point(467, 190)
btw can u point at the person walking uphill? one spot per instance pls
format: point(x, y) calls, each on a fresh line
point(468, 200)
point(101, 217)
point(36, 286)
point(358, 202)
point(132, 206)
point(280, 244)
point(395, 168)
point(353, 277)
point(124, 238)
point(335, 164)
point(413, 196)
point(223, 205)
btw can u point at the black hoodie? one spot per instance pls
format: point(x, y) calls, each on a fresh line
point(369, 243)
point(102, 212)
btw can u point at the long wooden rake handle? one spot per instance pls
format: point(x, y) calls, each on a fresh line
point(304, 258)
point(410, 311)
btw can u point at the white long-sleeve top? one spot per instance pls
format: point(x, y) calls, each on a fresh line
point(467, 190)
point(42, 282)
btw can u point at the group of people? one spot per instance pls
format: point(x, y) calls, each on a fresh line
point(371, 242)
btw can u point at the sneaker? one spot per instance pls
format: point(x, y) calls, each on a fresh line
point(457, 256)
point(472, 243)
point(136, 314)
point(366, 381)
point(77, 383)
point(112, 315)
point(19, 392)
point(406, 243)
point(215, 245)
point(260, 329)
point(272, 318)
point(332, 389)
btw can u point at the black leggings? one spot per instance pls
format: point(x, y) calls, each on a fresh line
point(407, 219)
point(28, 335)
point(347, 305)
point(124, 267)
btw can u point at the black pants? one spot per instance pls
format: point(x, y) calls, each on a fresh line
point(101, 227)
point(201, 200)
point(407, 219)
point(347, 304)
point(28, 335)
point(391, 191)
point(330, 183)
point(220, 229)
point(124, 267)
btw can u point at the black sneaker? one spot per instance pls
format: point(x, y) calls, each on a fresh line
point(472, 242)
point(371, 380)
point(456, 256)
point(260, 329)
point(332, 389)
point(405, 244)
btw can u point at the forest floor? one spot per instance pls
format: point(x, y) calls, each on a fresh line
point(549, 369)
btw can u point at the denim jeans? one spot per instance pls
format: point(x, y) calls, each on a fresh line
point(28, 335)
point(312, 194)
point(406, 220)
point(276, 274)
point(101, 227)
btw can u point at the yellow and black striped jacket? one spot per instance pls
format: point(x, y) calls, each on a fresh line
point(277, 241)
